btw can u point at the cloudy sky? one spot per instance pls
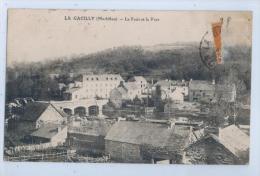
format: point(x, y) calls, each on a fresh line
point(39, 35)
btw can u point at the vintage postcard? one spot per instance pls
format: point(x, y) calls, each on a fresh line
point(128, 86)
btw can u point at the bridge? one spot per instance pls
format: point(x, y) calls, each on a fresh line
point(82, 107)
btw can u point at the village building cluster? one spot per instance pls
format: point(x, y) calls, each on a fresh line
point(105, 115)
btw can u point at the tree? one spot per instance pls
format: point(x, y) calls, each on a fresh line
point(158, 103)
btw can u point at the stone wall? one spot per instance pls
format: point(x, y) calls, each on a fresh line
point(123, 152)
point(95, 144)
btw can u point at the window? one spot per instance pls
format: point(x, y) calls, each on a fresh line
point(92, 79)
point(115, 78)
point(111, 78)
point(87, 79)
point(107, 78)
point(97, 78)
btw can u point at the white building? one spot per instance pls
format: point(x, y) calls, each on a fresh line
point(140, 82)
point(170, 89)
point(100, 85)
point(93, 86)
point(177, 96)
point(133, 90)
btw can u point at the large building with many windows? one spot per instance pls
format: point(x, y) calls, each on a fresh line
point(94, 86)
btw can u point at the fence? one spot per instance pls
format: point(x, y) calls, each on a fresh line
point(33, 147)
point(49, 156)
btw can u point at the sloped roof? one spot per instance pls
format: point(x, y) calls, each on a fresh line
point(225, 87)
point(102, 77)
point(48, 131)
point(201, 85)
point(32, 111)
point(138, 78)
point(164, 83)
point(93, 128)
point(73, 89)
point(130, 86)
point(122, 90)
point(61, 112)
point(234, 139)
point(154, 134)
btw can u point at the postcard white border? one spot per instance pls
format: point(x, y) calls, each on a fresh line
point(80, 169)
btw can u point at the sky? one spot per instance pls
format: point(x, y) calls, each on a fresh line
point(40, 35)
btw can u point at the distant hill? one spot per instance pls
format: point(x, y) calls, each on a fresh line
point(175, 61)
point(165, 61)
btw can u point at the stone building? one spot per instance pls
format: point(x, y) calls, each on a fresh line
point(93, 86)
point(100, 85)
point(125, 91)
point(201, 90)
point(33, 116)
point(74, 93)
point(89, 135)
point(36, 114)
point(226, 92)
point(146, 142)
point(172, 89)
point(140, 82)
point(118, 95)
point(230, 146)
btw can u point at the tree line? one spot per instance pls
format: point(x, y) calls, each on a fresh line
point(32, 80)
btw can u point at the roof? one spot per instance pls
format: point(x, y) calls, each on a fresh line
point(231, 138)
point(225, 87)
point(102, 77)
point(131, 86)
point(98, 127)
point(201, 85)
point(32, 111)
point(122, 90)
point(48, 131)
point(164, 83)
point(138, 78)
point(154, 134)
point(234, 139)
point(61, 112)
point(73, 89)
point(226, 92)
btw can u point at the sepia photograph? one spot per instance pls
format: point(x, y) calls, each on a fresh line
point(128, 86)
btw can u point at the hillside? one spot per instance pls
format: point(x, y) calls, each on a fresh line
point(166, 61)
